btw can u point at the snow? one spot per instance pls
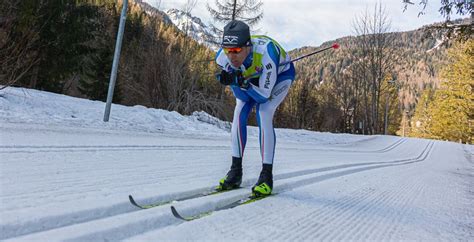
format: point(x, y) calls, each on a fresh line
point(66, 175)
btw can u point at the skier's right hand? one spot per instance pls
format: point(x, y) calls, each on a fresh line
point(226, 78)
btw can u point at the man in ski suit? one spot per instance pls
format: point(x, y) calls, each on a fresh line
point(251, 66)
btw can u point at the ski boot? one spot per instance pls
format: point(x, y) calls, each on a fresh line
point(233, 178)
point(264, 184)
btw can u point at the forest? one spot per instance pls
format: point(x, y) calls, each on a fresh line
point(379, 82)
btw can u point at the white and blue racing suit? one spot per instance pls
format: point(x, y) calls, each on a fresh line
point(266, 92)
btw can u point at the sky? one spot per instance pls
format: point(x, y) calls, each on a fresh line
point(299, 23)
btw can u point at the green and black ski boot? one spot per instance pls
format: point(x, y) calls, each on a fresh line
point(264, 184)
point(233, 179)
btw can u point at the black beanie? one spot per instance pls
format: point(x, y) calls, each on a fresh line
point(236, 34)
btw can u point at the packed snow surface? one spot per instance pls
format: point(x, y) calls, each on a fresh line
point(65, 175)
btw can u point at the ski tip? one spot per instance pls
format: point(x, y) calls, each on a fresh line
point(335, 46)
point(176, 214)
point(132, 201)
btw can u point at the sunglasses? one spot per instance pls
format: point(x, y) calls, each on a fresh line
point(234, 50)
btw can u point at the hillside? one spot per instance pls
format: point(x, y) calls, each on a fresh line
point(417, 65)
point(68, 48)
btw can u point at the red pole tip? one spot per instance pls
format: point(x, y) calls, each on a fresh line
point(335, 46)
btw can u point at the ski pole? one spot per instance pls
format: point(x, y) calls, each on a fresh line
point(333, 46)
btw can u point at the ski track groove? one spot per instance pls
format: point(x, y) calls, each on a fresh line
point(400, 215)
point(163, 174)
point(109, 214)
point(9, 149)
point(100, 148)
point(304, 234)
point(258, 223)
point(172, 173)
point(43, 186)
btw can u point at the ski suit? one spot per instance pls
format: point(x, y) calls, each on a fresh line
point(266, 92)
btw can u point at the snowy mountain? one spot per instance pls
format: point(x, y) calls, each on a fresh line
point(191, 25)
point(152, 11)
point(185, 22)
point(66, 176)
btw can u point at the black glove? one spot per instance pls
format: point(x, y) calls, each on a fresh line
point(234, 78)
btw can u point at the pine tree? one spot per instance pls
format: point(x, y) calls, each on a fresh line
point(65, 43)
point(421, 120)
point(97, 64)
point(452, 111)
point(248, 11)
point(237, 10)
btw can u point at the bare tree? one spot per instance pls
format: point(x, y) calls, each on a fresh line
point(187, 8)
point(345, 90)
point(156, 4)
point(374, 60)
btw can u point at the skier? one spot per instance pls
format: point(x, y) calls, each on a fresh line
point(251, 66)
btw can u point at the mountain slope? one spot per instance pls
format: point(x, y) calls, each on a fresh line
point(416, 66)
point(152, 11)
point(192, 26)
